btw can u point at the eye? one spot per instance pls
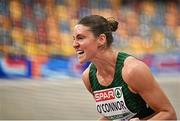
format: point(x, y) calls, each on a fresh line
point(80, 38)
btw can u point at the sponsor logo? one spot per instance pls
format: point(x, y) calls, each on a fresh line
point(104, 95)
point(118, 92)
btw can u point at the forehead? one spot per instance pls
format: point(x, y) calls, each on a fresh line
point(81, 29)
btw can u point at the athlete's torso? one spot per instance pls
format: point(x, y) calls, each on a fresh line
point(116, 101)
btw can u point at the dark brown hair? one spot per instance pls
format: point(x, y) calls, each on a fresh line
point(100, 25)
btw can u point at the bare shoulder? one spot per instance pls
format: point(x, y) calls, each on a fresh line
point(140, 80)
point(133, 66)
point(85, 78)
point(136, 73)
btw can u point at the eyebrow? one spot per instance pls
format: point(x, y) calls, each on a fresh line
point(78, 36)
point(81, 34)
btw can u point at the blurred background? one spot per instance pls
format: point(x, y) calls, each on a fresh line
point(40, 77)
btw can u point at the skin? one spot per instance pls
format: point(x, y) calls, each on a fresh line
point(135, 73)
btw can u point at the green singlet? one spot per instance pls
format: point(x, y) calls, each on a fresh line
point(116, 101)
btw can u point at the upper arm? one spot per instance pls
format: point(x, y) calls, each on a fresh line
point(85, 78)
point(139, 77)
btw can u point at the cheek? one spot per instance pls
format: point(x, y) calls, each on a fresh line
point(91, 50)
point(92, 47)
point(89, 45)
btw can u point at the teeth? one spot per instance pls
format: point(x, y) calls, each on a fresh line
point(80, 52)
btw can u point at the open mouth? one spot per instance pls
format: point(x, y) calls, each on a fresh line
point(80, 52)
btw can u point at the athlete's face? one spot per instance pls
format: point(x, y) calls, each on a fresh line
point(84, 42)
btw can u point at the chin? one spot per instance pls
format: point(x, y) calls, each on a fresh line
point(82, 60)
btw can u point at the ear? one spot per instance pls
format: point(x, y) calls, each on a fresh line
point(101, 40)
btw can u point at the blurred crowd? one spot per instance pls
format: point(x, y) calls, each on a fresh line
point(44, 27)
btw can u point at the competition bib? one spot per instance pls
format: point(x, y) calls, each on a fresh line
point(110, 103)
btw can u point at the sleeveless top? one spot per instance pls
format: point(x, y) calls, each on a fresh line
point(116, 101)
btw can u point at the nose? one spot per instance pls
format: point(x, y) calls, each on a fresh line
point(75, 44)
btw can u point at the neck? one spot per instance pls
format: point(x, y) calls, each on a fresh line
point(105, 62)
